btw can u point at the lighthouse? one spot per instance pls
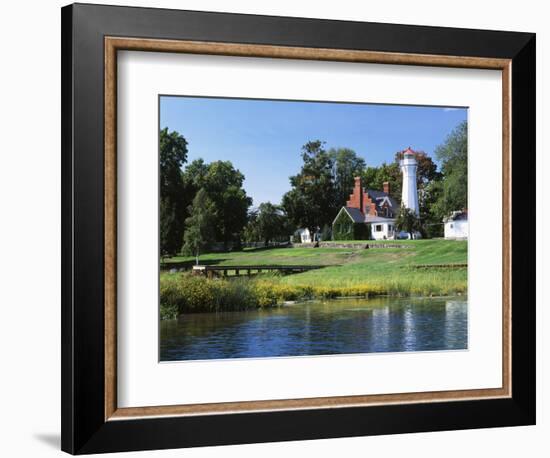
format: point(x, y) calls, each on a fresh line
point(409, 196)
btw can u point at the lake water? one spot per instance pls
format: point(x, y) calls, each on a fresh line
point(320, 328)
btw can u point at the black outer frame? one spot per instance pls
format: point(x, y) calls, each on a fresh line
point(84, 429)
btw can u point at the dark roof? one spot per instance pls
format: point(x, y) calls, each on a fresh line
point(457, 216)
point(378, 197)
point(355, 214)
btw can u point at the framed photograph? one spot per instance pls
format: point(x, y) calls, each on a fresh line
point(282, 228)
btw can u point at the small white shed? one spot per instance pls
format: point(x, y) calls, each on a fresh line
point(456, 226)
point(303, 235)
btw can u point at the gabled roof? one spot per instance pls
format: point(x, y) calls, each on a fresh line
point(378, 197)
point(354, 213)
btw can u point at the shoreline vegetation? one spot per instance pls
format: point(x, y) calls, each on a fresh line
point(347, 272)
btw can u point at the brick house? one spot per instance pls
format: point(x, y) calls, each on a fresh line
point(368, 214)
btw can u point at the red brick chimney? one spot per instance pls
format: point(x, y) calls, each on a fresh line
point(356, 199)
point(387, 187)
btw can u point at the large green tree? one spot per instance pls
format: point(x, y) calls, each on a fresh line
point(431, 222)
point(251, 232)
point(194, 174)
point(453, 154)
point(267, 223)
point(224, 187)
point(272, 222)
point(173, 198)
point(199, 226)
point(311, 202)
point(346, 166)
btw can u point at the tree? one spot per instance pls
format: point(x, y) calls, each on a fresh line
point(346, 166)
point(407, 221)
point(173, 203)
point(294, 203)
point(224, 187)
point(311, 202)
point(271, 222)
point(431, 221)
point(267, 223)
point(199, 231)
point(251, 232)
point(453, 154)
point(375, 177)
point(194, 174)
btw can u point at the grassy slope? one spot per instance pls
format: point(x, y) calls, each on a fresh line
point(387, 269)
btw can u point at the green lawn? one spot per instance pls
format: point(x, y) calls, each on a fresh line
point(377, 270)
point(283, 256)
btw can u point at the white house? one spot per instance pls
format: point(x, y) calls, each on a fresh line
point(456, 225)
point(303, 235)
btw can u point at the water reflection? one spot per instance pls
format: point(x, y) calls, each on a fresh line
point(320, 328)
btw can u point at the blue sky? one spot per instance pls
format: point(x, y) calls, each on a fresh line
point(263, 138)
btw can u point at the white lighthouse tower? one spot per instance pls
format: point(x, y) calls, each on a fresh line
point(409, 197)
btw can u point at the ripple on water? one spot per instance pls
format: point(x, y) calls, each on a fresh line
point(320, 328)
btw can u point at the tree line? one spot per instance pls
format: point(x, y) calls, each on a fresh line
point(206, 203)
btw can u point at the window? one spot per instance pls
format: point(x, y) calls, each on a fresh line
point(378, 228)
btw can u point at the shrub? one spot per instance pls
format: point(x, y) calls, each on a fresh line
point(168, 311)
point(342, 228)
point(326, 233)
point(186, 293)
point(362, 231)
